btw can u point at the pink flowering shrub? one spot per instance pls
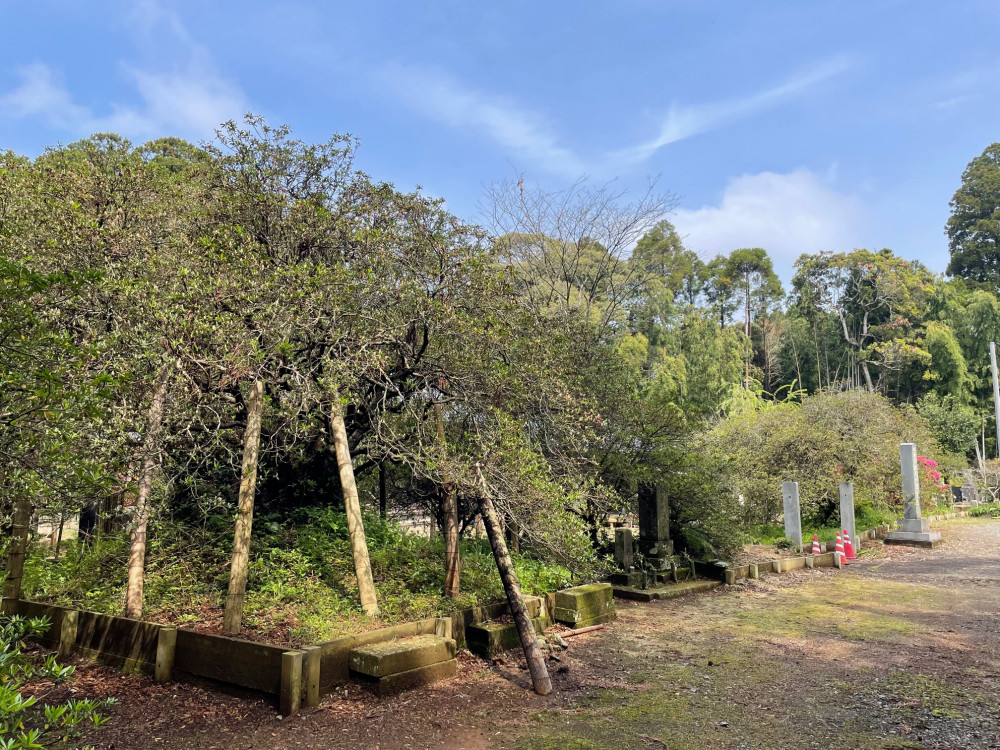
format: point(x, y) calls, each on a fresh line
point(930, 477)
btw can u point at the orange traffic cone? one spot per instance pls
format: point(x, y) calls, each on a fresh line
point(848, 547)
point(816, 549)
point(840, 549)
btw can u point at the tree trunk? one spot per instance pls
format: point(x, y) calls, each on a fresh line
point(868, 377)
point(383, 505)
point(529, 641)
point(232, 619)
point(20, 528)
point(59, 536)
point(449, 514)
point(137, 550)
point(352, 506)
point(513, 538)
point(746, 382)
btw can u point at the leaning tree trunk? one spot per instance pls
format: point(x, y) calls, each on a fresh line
point(352, 506)
point(137, 550)
point(449, 512)
point(232, 619)
point(540, 679)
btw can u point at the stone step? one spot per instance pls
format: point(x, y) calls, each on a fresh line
point(379, 660)
point(411, 678)
point(583, 597)
point(573, 617)
point(670, 591)
point(490, 639)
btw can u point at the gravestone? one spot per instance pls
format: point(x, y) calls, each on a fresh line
point(913, 530)
point(654, 526)
point(624, 555)
point(970, 496)
point(793, 512)
point(847, 513)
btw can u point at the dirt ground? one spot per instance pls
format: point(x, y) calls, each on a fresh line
point(900, 650)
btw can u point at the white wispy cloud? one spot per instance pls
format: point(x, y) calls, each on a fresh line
point(189, 98)
point(526, 134)
point(530, 136)
point(786, 214)
point(684, 121)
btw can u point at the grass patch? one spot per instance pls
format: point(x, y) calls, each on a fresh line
point(852, 609)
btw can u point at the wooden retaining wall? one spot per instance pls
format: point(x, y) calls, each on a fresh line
point(135, 645)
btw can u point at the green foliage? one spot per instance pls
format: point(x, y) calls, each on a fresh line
point(301, 579)
point(954, 425)
point(973, 228)
point(990, 510)
point(26, 724)
point(827, 439)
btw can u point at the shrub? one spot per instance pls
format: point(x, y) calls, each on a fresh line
point(827, 439)
point(24, 723)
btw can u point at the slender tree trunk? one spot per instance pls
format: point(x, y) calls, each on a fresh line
point(232, 619)
point(746, 382)
point(449, 513)
point(529, 640)
point(20, 529)
point(352, 506)
point(513, 538)
point(59, 535)
point(868, 377)
point(383, 506)
point(137, 550)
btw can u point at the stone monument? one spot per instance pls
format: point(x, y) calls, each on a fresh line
point(913, 530)
point(970, 496)
point(654, 527)
point(623, 549)
point(793, 511)
point(847, 513)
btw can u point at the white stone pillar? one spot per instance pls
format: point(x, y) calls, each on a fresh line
point(793, 511)
point(847, 513)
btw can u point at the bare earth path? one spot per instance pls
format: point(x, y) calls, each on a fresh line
point(901, 650)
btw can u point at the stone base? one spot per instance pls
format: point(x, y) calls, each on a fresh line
point(926, 539)
point(914, 525)
point(658, 554)
point(635, 579)
point(671, 591)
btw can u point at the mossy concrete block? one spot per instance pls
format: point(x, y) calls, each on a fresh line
point(397, 683)
point(490, 639)
point(407, 654)
point(583, 597)
point(573, 617)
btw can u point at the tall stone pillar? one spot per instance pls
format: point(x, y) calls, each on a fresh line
point(654, 526)
point(847, 513)
point(793, 511)
point(913, 530)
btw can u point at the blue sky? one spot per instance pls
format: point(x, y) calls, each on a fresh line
point(794, 126)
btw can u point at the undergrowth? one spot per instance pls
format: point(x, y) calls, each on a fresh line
point(301, 585)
